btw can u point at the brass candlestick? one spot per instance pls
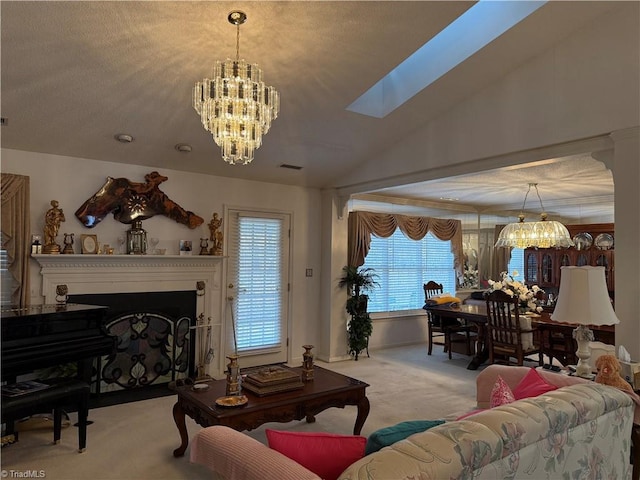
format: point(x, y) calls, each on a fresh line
point(233, 376)
point(307, 363)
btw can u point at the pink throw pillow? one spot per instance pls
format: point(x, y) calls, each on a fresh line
point(325, 454)
point(501, 393)
point(532, 385)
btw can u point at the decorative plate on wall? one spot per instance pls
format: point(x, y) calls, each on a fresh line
point(583, 241)
point(604, 241)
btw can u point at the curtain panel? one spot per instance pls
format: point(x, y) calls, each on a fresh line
point(501, 257)
point(362, 225)
point(15, 226)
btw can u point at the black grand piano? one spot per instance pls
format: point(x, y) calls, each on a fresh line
point(43, 336)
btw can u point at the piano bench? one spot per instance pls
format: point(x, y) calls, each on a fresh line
point(56, 397)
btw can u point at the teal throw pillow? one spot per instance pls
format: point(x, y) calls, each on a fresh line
point(390, 435)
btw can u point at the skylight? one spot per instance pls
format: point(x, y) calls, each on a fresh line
point(470, 32)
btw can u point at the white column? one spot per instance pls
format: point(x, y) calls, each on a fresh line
point(333, 330)
point(626, 179)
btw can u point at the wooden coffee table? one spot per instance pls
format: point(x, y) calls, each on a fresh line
point(327, 389)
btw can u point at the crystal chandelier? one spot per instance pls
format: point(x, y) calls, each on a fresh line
point(542, 234)
point(236, 106)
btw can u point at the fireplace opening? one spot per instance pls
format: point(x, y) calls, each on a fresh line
point(155, 344)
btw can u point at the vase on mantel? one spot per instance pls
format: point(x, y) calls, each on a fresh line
point(136, 239)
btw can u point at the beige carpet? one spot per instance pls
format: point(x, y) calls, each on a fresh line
point(136, 440)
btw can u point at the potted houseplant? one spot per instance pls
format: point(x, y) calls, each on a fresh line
point(358, 280)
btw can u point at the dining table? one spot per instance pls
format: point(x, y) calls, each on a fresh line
point(476, 314)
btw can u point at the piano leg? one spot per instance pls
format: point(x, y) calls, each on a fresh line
point(179, 418)
point(57, 424)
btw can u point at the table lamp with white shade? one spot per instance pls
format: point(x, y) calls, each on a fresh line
point(584, 300)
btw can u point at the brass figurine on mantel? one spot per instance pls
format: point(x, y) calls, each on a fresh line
point(52, 220)
point(204, 246)
point(68, 243)
point(216, 235)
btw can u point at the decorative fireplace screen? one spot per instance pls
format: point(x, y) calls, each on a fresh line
point(155, 342)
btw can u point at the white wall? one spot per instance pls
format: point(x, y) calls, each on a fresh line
point(71, 181)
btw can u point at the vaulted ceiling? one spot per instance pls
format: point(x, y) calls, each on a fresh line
point(74, 74)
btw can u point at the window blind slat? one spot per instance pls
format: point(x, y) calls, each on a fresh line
point(403, 266)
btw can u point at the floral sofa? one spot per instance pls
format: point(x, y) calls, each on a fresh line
point(580, 430)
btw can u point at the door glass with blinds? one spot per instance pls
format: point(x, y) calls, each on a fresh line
point(258, 251)
point(403, 266)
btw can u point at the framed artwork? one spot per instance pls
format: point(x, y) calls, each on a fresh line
point(185, 247)
point(89, 243)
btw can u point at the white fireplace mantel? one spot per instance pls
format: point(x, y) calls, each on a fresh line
point(96, 274)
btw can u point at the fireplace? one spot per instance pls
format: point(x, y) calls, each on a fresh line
point(155, 342)
point(154, 300)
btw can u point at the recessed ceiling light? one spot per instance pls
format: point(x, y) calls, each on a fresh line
point(123, 138)
point(183, 148)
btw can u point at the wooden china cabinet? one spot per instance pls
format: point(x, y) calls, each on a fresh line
point(542, 265)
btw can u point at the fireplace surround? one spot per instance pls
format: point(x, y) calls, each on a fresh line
point(129, 274)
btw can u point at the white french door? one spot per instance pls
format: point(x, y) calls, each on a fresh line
point(258, 287)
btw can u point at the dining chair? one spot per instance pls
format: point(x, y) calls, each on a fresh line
point(510, 335)
point(557, 342)
point(449, 329)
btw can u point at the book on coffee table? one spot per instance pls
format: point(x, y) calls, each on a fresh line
point(273, 379)
point(271, 376)
point(268, 390)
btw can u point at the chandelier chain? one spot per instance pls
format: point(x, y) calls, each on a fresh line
point(538, 193)
point(237, 42)
point(525, 198)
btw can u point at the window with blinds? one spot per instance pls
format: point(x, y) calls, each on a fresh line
point(403, 266)
point(258, 255)
point(516, 263)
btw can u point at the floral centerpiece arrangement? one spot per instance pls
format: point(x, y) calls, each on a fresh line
point(527, 296)
point(470, 278)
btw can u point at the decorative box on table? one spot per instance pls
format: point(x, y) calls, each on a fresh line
point(272, 380)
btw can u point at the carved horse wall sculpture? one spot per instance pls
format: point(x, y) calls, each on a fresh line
point(131, 201)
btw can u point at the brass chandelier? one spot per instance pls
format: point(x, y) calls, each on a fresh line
point(235, 105)
point(542, 234)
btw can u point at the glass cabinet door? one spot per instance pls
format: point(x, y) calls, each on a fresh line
point(531, 266)
point(546, 269)
point(583, 259)
point(603, 260)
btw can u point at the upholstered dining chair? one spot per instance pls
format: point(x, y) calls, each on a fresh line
point(510, 335)
point(446, 328)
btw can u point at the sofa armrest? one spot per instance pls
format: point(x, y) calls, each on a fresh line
point(232, 455)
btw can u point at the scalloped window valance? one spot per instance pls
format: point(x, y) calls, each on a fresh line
point(363, 224)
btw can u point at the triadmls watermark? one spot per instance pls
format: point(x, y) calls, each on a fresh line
point(23, 474)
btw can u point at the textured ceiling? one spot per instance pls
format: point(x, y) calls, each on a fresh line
point(575, 189)
point(74, 74)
